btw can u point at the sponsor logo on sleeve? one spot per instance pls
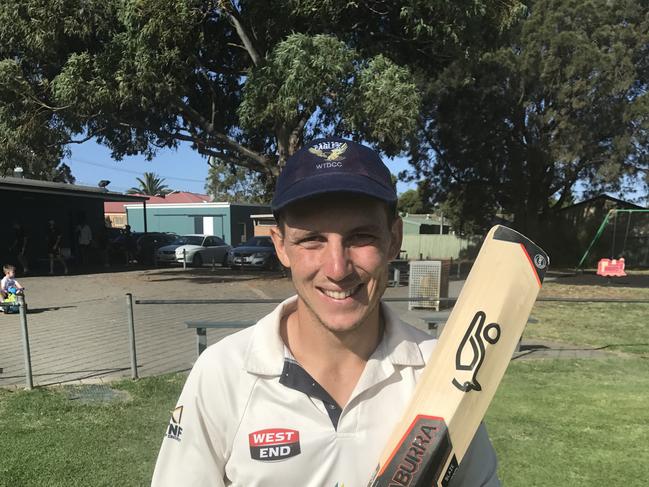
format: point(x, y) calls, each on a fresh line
point(174, 429)
point(274, 444)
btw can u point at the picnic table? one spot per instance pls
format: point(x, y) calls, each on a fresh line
point(202, 326)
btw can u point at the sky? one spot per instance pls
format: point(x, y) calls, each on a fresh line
point(183, 169)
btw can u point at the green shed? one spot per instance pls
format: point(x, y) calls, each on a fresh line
point(230, 221)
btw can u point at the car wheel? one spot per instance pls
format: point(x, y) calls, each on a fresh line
point(273, 264)
point(197, 261)
point(224, 262)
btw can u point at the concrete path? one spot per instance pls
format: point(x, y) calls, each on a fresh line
point(78, 328)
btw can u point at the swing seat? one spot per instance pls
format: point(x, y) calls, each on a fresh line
point(611, 267)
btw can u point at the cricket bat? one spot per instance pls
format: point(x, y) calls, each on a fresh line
point(464, 370)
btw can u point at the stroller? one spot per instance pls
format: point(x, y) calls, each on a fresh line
point(12, 300)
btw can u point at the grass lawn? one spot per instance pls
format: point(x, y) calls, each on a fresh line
point(578, 422)
point(618, 327)
point(47, 439)
point(569, 422)
point(572, 423)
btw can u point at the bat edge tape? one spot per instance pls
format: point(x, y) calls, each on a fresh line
point(536, 256)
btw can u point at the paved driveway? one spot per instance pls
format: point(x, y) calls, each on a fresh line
point(78, 324)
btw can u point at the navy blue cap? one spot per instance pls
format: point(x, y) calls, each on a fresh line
point(333, 165)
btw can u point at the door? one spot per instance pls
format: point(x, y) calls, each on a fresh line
point(208, 225)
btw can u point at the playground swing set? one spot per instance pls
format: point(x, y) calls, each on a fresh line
point(615, 265)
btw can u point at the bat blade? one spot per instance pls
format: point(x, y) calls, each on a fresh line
point(467, 365)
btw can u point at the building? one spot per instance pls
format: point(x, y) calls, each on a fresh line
point(427, 236)
point(115, 212)
point(32, 203)
point(425, 224)
point(262, 224)
point(230, 221)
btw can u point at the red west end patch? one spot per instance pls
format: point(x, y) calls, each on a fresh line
point(274, 444)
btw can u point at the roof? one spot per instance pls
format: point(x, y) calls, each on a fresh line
point(421, 219)
point(622, 203)
point(172, 198)
point(181, 197)
point(65, 189)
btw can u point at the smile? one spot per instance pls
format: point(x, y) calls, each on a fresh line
point(340, 295)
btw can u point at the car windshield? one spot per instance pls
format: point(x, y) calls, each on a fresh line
point(259, 242)
point(188, 240)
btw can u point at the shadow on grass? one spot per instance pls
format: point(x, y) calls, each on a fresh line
point(529, 350)
point(638, 279)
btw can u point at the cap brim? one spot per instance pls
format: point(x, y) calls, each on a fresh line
point(333, 183)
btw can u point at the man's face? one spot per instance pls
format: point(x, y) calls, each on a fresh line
point(338, 249)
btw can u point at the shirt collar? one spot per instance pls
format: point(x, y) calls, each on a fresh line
point(265, 354)
point(397, 345)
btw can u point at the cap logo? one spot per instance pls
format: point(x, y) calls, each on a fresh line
point(329, 151)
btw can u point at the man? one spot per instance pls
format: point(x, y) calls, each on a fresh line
point(310, 394)
point(54, 247)
point(19, 246)
point(128, 244)
point(84, 240)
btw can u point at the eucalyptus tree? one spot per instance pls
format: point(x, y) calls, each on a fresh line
point(244, 82)
point(560, 105)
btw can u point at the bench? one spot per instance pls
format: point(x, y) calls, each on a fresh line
point(202, 326)
point(435, 321)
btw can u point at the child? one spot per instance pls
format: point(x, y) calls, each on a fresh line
point(9, 285)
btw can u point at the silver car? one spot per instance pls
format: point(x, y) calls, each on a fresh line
point(167, 253)
point(199, 249)
point(257, 252)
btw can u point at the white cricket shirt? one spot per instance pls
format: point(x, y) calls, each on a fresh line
point(250, 416)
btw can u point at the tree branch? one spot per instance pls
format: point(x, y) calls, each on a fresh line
point(198, 119)
point(91, 135)
point(568, 183)
point(235, 19)
point(228, 157)
point(295, 138)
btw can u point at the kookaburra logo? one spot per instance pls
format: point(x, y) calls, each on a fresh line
point(330, 151)
point(471, 352)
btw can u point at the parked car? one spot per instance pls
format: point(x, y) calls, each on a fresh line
point(256, 252)
point(147, 244)
point(167, 253)
point(196, 250)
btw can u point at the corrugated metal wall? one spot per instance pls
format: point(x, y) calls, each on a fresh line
point(433, 246)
